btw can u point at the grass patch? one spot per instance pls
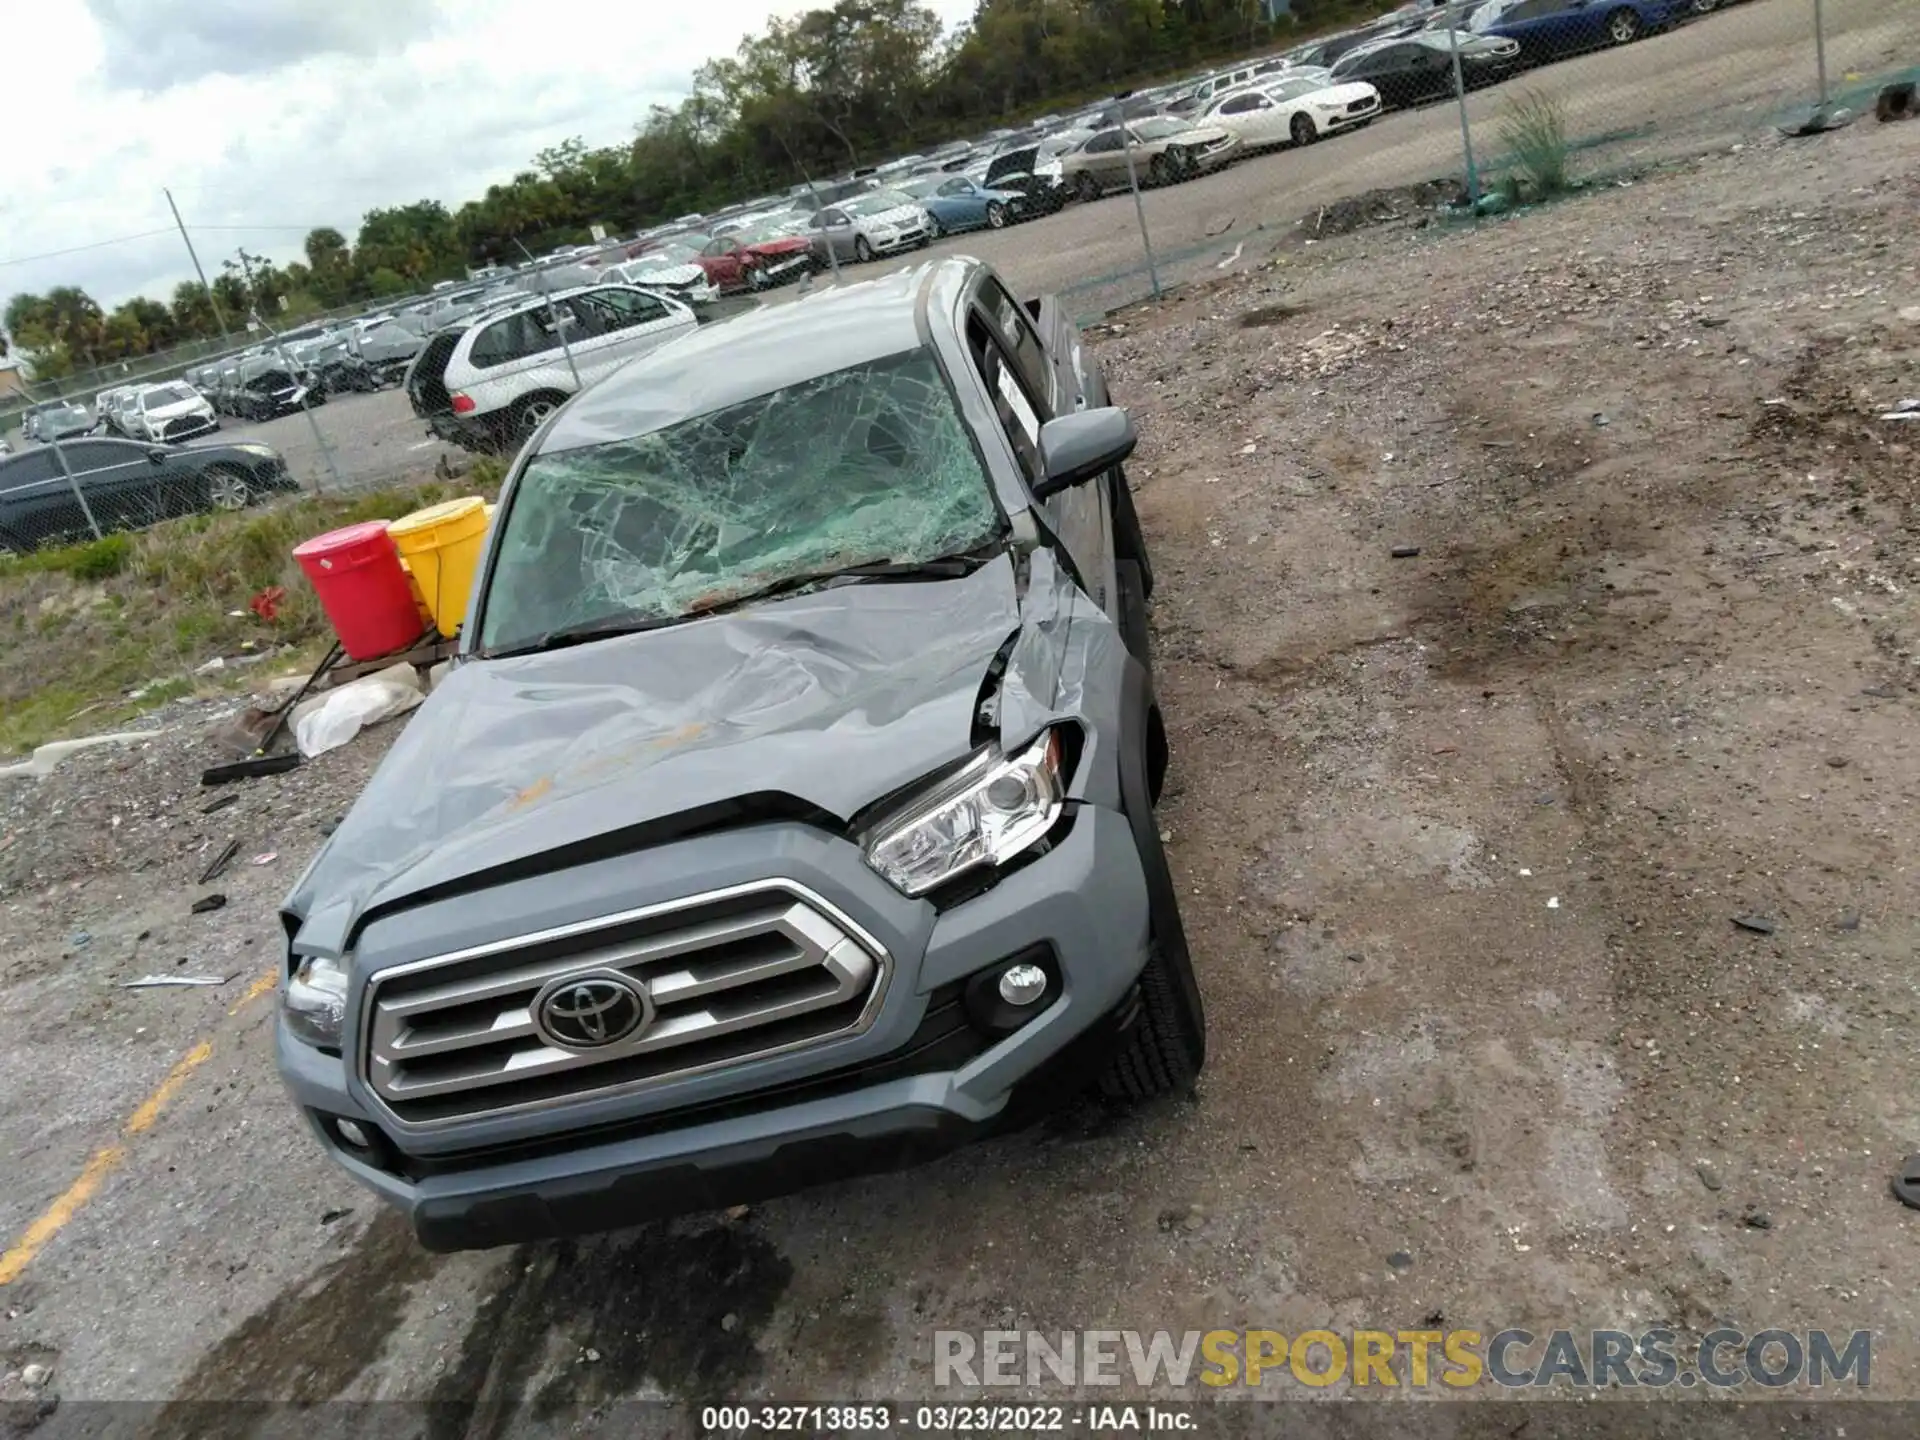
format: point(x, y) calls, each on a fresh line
point(1533, 127)
point(86, 625)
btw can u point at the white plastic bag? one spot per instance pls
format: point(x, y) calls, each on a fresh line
point(347, 711)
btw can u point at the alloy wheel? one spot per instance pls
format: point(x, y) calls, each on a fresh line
point(227, 490)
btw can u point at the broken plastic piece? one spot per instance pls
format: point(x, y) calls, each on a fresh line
point(1758, 924)
point(220, 862)
point(207, 903)
point(168, 982)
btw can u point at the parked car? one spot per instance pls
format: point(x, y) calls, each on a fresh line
point(173, 411)
point(62, 421)
point(1165, 150)
point(1410, 69)
point(1293, 112)
point(789, 811)
point(879, 223)
point(954, 203)
point(127, 484)
point(759, 257)
point(379, 355)
point(1549, 29)
point(1033, 172)
point(270, 385)
point(490, 384)
point(1195, 99)
point(673, 269)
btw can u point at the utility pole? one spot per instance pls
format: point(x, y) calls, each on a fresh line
point(218, 318)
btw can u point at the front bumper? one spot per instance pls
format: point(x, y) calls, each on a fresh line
point(1359, 113)
point(1221, 154)
point(767, 1127)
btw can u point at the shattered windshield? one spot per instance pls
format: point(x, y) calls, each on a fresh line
point(864, 465)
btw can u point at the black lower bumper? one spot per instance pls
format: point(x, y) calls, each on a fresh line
point(895, 1140)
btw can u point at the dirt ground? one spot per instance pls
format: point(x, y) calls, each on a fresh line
point(1464, 835)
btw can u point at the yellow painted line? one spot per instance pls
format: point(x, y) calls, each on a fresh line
point(151, 1107)
point(103, 1163)
point(59, 1213)
point(266, 982)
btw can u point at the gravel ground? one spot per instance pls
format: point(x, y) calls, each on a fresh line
point(1464, 837)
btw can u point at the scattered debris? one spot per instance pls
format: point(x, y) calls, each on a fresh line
point(1553, 902)
point(1906, 1184)
point(1709, 1176)
point(343, 713)
point(267, 603)
point(1404, 552)
point(221, 802)
point(327, 1217)
point(1897, 102)
point(1757, 1219)
point(267, 858)
point(208, 903)
point(1400, 1260)
point(40, 764)
point(1600, 420)
point(1758, 924)
point(80, 939)
point(1905, 410)
point(210, 667)
point(1837, 762)
point(729, 1322)
point(251, 769)
point(592, 1356)
point(219, 863)
point(172, 982)
point(1850, 920)
point(35, 1376)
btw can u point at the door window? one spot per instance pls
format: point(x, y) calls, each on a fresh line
point(1242, 104)
point(512, 337)
point(602, 312)
point(1029, 357)
point(1019, 417)
point(1100, 144)
point(88, 455)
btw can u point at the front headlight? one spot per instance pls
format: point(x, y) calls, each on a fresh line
point(986, 813)
point(265, 452)
point(315, 1002)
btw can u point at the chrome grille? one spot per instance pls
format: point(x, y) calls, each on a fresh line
point(731, 977)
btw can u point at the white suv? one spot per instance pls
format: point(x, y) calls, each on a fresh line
point(174, 411)
point(491, 381)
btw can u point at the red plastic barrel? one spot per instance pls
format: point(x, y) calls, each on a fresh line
point(357, 574)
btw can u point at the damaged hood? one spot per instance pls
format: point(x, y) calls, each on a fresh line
point(837, 698)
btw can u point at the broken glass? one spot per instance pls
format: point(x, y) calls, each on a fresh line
point(871, 463)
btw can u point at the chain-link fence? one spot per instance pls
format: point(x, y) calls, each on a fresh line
point(1455, 110)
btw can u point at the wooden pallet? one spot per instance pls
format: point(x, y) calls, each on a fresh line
point(429, 649)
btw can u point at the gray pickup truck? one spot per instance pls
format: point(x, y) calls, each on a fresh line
point(788, 813)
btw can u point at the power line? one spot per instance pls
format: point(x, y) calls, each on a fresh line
point(76, 249)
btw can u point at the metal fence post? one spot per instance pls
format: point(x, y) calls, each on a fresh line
point(1133, 184)
point(60, 458)
point(1820, 48)
point(326, 450)
point(1466, 130)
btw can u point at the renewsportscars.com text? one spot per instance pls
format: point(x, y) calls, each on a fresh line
point(1454, 1359)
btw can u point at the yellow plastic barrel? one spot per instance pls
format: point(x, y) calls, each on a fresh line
point(440, 546)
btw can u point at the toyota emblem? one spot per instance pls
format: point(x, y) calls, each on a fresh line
point(586, 1012)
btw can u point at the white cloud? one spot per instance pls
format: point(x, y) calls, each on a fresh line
point(160, 44)
point(268, 117)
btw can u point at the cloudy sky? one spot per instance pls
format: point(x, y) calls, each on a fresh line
point(286, 114)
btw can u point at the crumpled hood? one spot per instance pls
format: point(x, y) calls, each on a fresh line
point(177, 409)
point(669, 275)
point(837, 697)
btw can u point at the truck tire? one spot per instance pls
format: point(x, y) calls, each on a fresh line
point(1133, 612)
point(1165, 1050)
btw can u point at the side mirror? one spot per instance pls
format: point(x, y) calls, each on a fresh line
point(1075, 448)
point(156, 455)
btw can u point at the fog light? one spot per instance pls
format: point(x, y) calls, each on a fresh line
point(1022, 984)
point(352, 1134)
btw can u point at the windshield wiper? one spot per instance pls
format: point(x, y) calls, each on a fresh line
point(563, 636)
point(937, 567)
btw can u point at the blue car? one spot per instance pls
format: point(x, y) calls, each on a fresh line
point(1548, 29)
point(957, 203)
